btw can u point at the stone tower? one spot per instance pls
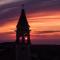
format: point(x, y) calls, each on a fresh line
point(23, 43)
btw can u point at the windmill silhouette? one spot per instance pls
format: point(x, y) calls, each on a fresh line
point(22, 32)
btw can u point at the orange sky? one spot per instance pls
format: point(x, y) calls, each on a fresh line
point(41, 21)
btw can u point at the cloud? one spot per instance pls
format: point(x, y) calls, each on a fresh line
point(6, 33)
point(13, 9)
point(44, 32)
point(8, 1)
point(7, 37)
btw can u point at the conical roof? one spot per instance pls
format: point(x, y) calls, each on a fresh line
point(23, 23)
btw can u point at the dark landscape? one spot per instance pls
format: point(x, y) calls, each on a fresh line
point(38, 52)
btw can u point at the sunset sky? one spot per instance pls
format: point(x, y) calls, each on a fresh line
point(43, 17)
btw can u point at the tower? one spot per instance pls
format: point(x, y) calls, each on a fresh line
point(22, 35)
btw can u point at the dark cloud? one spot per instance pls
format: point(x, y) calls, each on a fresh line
point(43, 5)
point(43, 32)
point(11, 10)
point(47, 41)
point(7, 37)
point(2, 2)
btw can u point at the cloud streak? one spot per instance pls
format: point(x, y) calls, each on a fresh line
point(44, 32)
point(13, 9)
point(2, 2)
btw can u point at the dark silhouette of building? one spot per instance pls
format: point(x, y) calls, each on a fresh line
point(23, 35)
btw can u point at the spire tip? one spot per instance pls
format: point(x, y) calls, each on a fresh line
point(22, 5)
